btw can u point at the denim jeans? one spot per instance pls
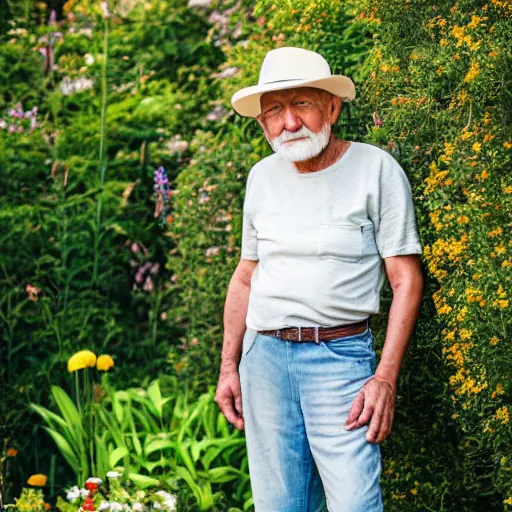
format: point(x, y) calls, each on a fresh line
point(295, 399)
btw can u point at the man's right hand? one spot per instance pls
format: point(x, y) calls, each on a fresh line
point(228, 396)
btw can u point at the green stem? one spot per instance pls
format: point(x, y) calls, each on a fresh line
point(102, 158)
point(77, 387)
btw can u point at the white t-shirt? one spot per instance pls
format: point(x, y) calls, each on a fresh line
point(321, 237)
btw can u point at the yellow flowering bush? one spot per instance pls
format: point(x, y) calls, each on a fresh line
point(444, 109)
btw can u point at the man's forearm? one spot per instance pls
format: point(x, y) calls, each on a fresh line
point(235, 314)
point(403, 314)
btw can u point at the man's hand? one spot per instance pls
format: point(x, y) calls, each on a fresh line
point(375, 401)
point(228, 396)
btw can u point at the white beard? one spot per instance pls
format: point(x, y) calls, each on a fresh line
point(302, 149)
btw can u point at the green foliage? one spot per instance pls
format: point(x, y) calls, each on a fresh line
point(78, 223)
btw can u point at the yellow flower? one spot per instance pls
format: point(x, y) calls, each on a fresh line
point(39, 480)
point(104, 362)
point(81, 360)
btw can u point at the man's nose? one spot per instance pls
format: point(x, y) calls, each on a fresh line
point(291, 122)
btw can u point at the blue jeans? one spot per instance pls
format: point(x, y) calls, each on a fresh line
point(295, 399)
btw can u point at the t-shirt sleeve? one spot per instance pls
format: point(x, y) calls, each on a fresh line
point(398, 233)
point(249, 249)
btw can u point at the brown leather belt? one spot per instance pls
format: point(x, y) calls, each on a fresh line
point(318, 334)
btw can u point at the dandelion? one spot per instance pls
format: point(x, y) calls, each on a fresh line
point(104, 362)
point(80, 360)
point(38, 480)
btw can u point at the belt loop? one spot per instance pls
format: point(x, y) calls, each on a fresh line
point(278, 333)
point(316, 334)
point(300, 333)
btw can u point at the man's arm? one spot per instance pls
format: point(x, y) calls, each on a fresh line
point(376, 399)
point(406, 280)
point(228, 394)
point(235, 314)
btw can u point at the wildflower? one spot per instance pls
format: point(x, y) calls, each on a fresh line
point(104, 363)
point(38, 480)
point(32, 292)
point(12, 452)
point(91, 484)
point(104, 9)
point(168, 501)
point(88, 504)
point(502, 414)
point(47, 506)
point(81, 360)
point(68, 86)
point(113, 474)
point(162, 193)
point(376, 120)
point(116, 507)
point(73, 494)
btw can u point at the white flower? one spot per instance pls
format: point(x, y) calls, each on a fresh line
point(113, 474)
point(89, 59)
point(169, 501)
point(84, 492)
point(116, 506)
point(73, 493)
point(104, 505)
point(137, 507)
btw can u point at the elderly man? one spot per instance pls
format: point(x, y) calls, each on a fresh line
point(322, 218)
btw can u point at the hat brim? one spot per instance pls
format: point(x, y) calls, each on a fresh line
point(246, 101)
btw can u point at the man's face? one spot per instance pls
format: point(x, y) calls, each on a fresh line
point(297, 122)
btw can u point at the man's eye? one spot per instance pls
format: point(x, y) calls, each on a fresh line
point(303, 101)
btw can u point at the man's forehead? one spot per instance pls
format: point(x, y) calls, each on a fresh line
point(283, 94)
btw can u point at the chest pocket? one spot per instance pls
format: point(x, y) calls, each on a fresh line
point(341, 241)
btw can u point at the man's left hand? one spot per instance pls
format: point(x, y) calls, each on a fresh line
point(375, 402)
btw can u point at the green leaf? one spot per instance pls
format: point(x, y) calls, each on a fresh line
point(143, 481)
point(65, 449)
point(159, 444)
point(69, 412)
point(117, 455)
point(156, 396)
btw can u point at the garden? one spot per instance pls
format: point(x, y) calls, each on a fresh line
point(122, 175)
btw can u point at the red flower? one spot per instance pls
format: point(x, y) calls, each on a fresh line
point(89, 503)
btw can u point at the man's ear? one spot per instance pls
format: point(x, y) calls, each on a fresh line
point(335, 110)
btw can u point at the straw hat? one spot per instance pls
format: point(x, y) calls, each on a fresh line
point(287, 67)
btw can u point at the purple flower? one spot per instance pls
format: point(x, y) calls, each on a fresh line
point(162, 194)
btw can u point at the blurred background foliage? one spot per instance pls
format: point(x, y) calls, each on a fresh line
point(94, 100)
